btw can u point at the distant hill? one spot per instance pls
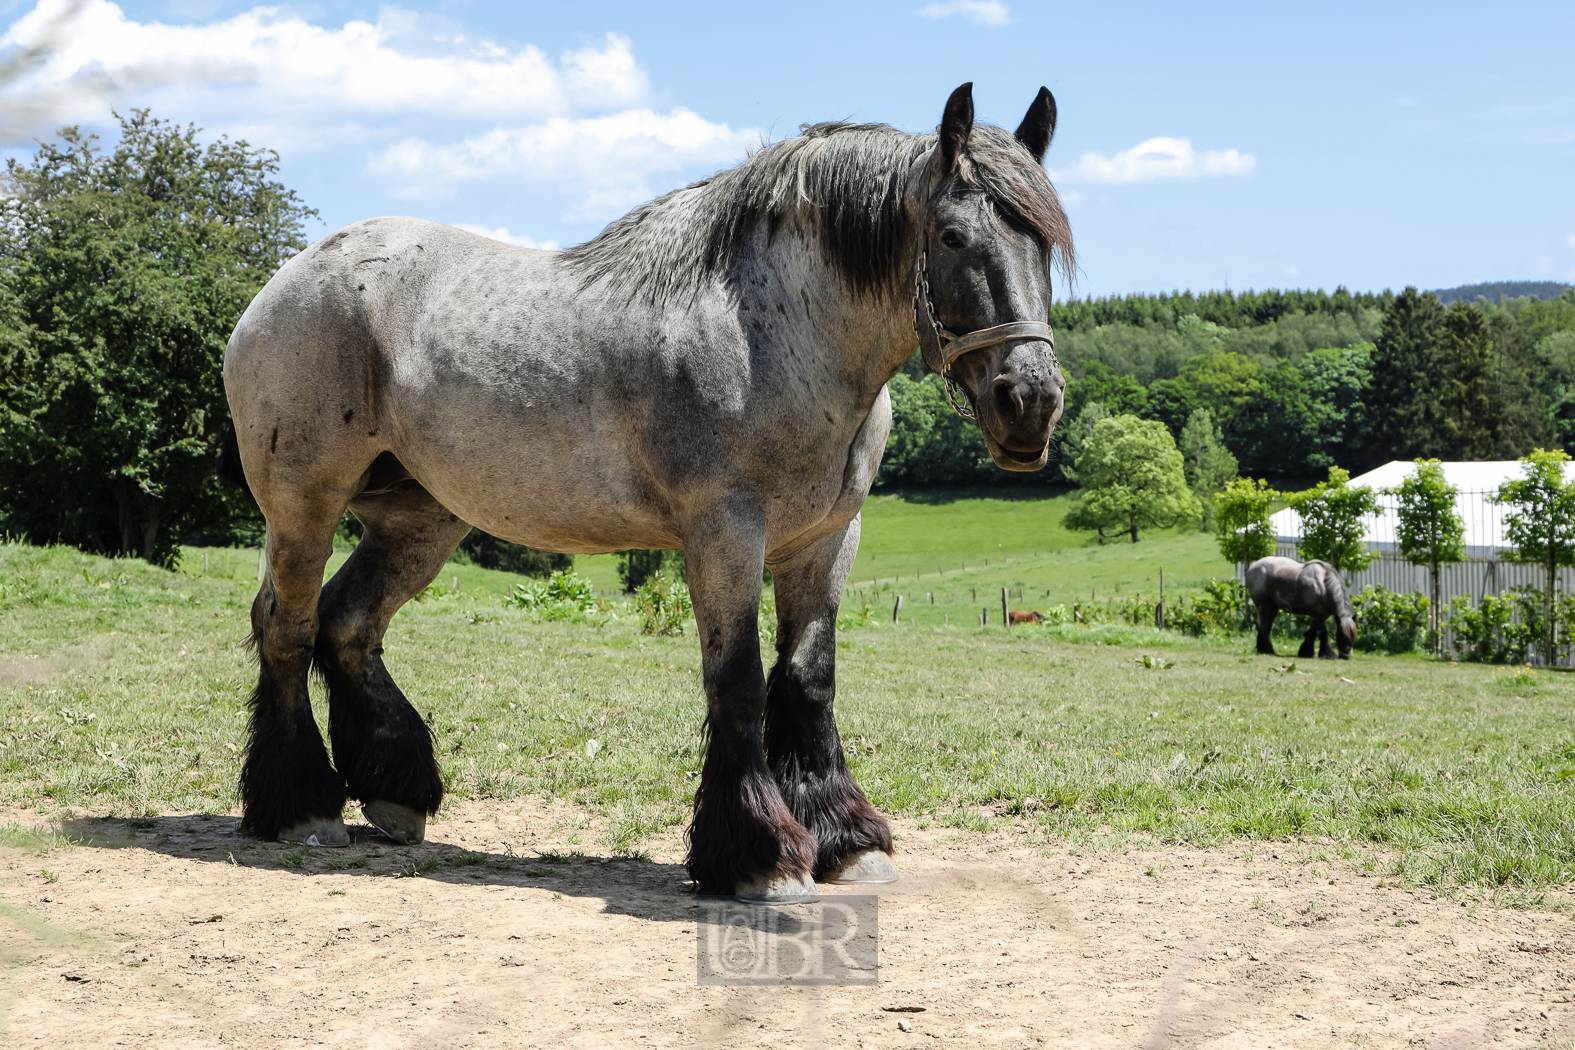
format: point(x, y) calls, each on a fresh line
point(1496, 290)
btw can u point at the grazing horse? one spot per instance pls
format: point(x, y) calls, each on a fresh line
point(708, 374)
point(1313, 589)
point(1019, 616)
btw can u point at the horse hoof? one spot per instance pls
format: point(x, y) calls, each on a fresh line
point(871, 866)
point(324, 831)
point(404, 825)
point(777, 888)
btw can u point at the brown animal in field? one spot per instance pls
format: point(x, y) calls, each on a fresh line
point(1019, 616)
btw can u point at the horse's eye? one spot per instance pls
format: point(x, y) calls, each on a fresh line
point(952, 239)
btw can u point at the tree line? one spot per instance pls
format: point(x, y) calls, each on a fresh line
point(1343, 380)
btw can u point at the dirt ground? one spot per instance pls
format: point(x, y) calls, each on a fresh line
point(178, 932)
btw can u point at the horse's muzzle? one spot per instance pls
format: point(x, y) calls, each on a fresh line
point(1018, 415)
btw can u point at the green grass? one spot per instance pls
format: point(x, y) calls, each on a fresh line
point(123, 687)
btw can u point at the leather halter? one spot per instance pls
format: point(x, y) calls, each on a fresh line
point(949, 346)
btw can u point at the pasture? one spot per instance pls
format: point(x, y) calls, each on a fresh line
point(126, 686)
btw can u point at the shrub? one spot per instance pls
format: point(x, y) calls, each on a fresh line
point(663, 604)
point(1223, 606)
point(1390, 621)
point(1509, 628)
point(561, 596)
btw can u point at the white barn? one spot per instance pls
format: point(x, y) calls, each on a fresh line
point(1485, 570)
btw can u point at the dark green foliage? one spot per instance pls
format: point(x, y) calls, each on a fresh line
point(930, 444)
point(1541, 525)
point(637, 566)
point(1406, 406)
point(488, 552)
point(1228, 309)
point(123, 275)
point(1209, 464)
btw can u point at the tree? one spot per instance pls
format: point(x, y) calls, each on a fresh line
point(1542, 527)
point(1241, 520)
point(1332, 528)
point(1074, 435)
point(1120, 393)
point(1404, 408)
point(1209, 464)
point(1338, 384)
point(930, 444)
point(128, 271)
point(1132, 478)
point(1276, 430)
point(1220, 381)
point(1430, 530)
point(1469, 421)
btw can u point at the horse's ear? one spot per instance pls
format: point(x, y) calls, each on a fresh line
point(956, 124)
point(1038, 126)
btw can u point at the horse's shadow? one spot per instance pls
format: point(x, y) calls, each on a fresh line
point(627, 884)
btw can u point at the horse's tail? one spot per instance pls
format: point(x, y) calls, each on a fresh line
point(229, 466)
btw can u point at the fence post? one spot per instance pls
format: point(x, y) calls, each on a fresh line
point(896, 611)
point(1006, 616)
point(262, 553)
point(1159, 610)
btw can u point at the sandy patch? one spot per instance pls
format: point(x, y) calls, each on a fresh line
point(182, 933)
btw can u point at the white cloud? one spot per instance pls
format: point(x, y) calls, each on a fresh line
point(606, 158)
point(1157, 158)
point(980, 12)
point(502, 233)
point(284, 62)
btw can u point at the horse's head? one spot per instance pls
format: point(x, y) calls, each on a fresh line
point(1345, 634)
point(991, 223)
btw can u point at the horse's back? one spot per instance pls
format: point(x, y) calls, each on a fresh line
point(1262, 573)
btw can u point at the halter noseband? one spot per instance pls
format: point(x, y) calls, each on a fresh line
point(950, 346)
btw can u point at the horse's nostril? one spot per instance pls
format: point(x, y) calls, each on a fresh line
point(1008, 399)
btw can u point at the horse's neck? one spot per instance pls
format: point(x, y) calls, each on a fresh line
point(867, 336)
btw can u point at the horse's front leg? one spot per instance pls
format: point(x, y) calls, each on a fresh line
point(1324, 651)
point(1266, 615)
point(743, 840)
point(802, 743)
point(1306, 651)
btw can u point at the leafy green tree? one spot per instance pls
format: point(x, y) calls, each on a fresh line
point(1209, 464)
point(929, 443)
point(127, 270)
point(1542, 525)
point(1121, 394)
point(1332, 527)
point(1132, 478)
point(1220, 381)
point(1338, 383)
point(1074, 435)
point(1275, 431)
point(1241, 520)
point(1430, 530)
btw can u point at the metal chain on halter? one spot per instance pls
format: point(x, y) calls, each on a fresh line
point(921, 289)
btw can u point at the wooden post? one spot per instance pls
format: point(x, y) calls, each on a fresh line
point(1006, 619)
point(929, 597)
point(1159, 610)
point(896, 611)
point(984, 617)
point(262, 555)
point(946, 620)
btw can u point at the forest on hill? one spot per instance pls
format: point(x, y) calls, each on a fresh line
point(1293, 382)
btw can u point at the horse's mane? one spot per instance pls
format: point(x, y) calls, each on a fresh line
point(1334, 584)
point(848, 180)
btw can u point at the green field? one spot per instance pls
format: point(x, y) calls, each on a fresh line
point(950, 555)
point(123, 688)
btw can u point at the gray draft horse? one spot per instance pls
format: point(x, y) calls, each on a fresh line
point(1314, 589)
point(706, 374)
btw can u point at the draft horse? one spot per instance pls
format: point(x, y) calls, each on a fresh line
point(707, 374)
point(1313, 589)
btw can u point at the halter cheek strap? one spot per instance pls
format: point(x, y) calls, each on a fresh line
point(949, 346)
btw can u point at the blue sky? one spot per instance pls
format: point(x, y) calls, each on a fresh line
point(1200, 146)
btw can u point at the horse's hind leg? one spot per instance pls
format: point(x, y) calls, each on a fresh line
point(1265, 625)
point(288, 789)
point(381, 745)
point(801, 739)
